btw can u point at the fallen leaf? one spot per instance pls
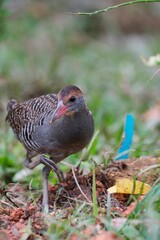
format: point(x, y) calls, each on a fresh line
point(126, 185)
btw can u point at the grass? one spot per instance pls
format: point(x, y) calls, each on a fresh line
point(145, 213)
point(94, 195)
point(42, 54)
point(137, 225)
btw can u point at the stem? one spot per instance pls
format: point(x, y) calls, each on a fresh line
point(74, 175)
point(113, 7)
point(94, 195)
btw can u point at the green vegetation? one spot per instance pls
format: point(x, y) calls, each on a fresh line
point(146, 212)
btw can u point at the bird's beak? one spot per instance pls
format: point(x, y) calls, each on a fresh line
point(60, 110)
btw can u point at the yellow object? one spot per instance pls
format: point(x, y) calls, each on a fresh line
point(129, 186)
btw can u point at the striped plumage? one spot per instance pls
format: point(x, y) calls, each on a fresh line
point(24, 117)
point(57, 125)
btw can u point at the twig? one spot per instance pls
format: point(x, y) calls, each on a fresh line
point(79, 185)
point(113, 7)
point(77, 200)
point(4, 192)
point(67, 164)
point(148, 168)
point(156, 181)
point(3, 202)
point(157, 71)
point(94, 195)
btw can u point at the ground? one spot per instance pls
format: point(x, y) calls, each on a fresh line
point(24, 219)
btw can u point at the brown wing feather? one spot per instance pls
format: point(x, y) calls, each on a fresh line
point(30, 111)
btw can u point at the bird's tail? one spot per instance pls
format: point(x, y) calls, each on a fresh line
point(10, 105)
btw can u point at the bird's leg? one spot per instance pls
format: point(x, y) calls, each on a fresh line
point(29, 164)
point(53, 166)
point(46, 170)
point(49, 165)
point(45, 204)
point(47, 162)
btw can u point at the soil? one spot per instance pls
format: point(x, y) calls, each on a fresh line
point(23, 219)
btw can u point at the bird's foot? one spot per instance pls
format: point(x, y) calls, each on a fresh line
point(53, 166)
point(29, 164)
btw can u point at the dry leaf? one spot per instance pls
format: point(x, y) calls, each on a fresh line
point(126, 185)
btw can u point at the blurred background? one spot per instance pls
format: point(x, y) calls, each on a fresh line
point(42, 48)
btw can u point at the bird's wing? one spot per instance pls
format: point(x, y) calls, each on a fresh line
point(30, 112)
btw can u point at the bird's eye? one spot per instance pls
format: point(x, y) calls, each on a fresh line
point(72, 99)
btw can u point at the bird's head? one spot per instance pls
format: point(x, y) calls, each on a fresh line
point(70, 101)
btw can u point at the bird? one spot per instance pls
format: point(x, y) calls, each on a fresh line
point(51, 127)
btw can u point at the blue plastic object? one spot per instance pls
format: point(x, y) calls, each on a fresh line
point(123, 151)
